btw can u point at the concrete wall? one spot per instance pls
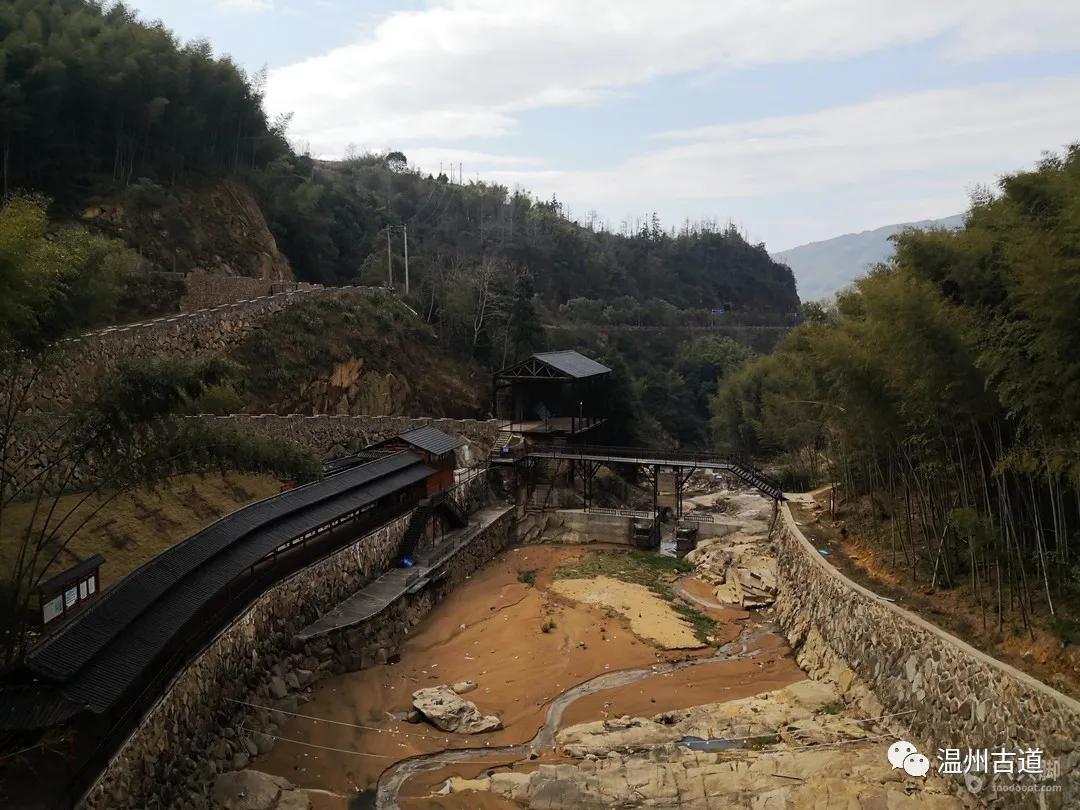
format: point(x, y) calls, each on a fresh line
point(333, 436)
point(961, 697)
point(196, 731)
point(577, 526)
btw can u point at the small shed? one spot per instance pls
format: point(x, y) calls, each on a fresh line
point(565, 391)
point(436, 447)
point(69, 590)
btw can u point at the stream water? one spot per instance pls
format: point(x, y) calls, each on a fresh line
point(391, 781)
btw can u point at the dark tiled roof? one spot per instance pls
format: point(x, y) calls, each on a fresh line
point(432, 440)
point(76, 572)
point(31, 707)
point(573, 363)
point(104, 650)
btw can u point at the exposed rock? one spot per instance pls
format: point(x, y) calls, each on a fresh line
point(264, 743)
point(461, 687)
point(255, 790)
point(278, 688)
point(742, 566)
point(448, 712)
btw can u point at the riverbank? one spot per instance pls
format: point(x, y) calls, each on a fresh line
point(596, 660)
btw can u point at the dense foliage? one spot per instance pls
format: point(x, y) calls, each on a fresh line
point(102, 110)
point(128, 431)
point(945, 388)
point(53, 282)
point(88, 92)
point(330, 219)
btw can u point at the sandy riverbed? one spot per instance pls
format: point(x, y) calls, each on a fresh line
point(489, 630)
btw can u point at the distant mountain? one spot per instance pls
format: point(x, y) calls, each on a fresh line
point(822, 268)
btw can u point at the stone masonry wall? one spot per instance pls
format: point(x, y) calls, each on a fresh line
point(205, 290)
point(333, 436)
point(164, 758)
point(379, 637)
point(191, 334)
point(961, 697)
point(199, 729)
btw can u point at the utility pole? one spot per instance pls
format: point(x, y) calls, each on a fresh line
point(405, 233)
point(389, 261)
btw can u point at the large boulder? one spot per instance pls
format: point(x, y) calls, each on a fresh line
point(255, 790)
point(448, 711)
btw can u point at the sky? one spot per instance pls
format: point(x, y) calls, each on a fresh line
point(797, 120)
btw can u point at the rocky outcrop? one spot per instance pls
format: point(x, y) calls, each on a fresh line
point(447, 711)
point(742, 566)
point(255, 790)
point(216, 229)
point(780, 749)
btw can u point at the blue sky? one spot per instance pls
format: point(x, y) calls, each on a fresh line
point(796, 119)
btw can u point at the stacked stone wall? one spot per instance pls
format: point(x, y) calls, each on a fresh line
point(941, 692)
point(201, 333)
point(205, 722)
point(333, 436)
point(165, 756)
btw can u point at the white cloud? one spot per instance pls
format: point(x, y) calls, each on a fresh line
point(246, 6)
point(465, 68)
point(800, 177)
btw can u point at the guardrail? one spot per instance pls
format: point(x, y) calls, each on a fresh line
point(633, 513)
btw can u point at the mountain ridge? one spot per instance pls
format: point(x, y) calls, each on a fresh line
point(825, 266)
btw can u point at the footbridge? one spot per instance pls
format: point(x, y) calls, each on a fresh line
point(588, 459)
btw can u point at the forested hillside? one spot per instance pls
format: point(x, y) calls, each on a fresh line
point(132, 132)
point(945, 390)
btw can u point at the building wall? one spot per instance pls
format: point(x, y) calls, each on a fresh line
point(961, 697)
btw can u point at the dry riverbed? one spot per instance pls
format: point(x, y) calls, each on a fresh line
point(620, 678)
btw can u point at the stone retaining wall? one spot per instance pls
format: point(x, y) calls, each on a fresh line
point(373, 640)
point(164, 758)
point(198, 729)
point(203, 332)
point(961, 697)
point(332, 436)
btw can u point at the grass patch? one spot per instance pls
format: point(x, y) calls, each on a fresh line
point(136, 525)
point(763, 741)
point(527, 577)
point(654, 571)
point(703, 626)
point(833, 708)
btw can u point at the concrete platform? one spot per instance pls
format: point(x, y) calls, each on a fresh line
point(379, 594)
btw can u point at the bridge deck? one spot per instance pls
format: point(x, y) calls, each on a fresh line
point(376, 596)
point(684, 463)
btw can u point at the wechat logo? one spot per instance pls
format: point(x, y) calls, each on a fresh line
point(903, 754)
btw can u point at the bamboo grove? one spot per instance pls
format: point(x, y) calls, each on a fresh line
point(942, 393)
